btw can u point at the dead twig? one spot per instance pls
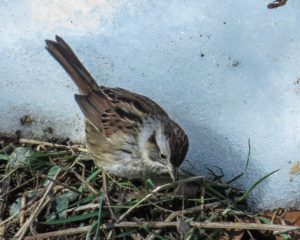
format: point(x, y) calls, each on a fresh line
point(22, 211)
point(61, 184)
point(104, 186)
point(156, 190)
point(93, 190)
point(17, 187)
point(43, 202)
point(158, 225)
point(48, 144)
point(185, 212)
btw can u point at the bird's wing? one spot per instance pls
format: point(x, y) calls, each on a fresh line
point(109, 110)
point(113, 110)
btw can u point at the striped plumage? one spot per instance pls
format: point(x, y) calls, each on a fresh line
point(127, 134)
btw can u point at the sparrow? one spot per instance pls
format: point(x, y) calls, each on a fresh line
point(127, 134)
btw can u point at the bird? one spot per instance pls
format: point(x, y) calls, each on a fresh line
point(127, 134)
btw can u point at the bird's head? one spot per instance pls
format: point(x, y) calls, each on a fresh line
point(168, 144)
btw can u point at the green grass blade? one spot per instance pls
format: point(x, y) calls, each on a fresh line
point(245, 195)
point(90, 179)
point(149, 184)
point(284, 236)
point(97, 236)
point(4, 157)
point(94, 175)
point(85, 200)
point(246, 167)
point(249, 155)
point(91, 230)
point(215, 192)
point(125, 234)
point(235, 178)
point(72, 219)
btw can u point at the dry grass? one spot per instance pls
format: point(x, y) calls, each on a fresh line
point(53, 190)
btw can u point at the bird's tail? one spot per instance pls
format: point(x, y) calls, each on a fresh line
point(62, 52)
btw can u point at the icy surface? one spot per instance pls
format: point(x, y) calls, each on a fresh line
point(227, 71)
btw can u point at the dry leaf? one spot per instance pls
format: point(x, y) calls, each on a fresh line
point(295, 168)
point(276, 4)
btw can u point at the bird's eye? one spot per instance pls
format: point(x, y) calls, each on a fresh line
point(162, 156)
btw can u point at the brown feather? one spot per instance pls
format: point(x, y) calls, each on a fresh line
point(67, 58)
point(89, 110)
point(115, 119)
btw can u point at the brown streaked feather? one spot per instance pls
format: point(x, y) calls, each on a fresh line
point(116, 100)
point(61, 51)
point(89, 110)
point(104, 116)
point(100, 100)
point(113, 123)
point(140, 102)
